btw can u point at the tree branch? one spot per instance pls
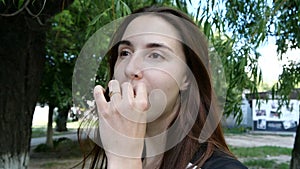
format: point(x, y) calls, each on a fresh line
point(36, 15)
point(18, 11)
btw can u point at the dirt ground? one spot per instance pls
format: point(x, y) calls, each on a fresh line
point(67, 157)
point(67, 154)
point(54, 163)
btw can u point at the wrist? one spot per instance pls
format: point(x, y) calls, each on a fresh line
point(117, 162)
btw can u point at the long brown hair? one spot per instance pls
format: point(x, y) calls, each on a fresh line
point(196, 53)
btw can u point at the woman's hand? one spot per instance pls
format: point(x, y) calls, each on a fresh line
point(122, 122)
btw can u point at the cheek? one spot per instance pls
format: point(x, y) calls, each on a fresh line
point(163, 81)
point(119, 72)
point(172, 93)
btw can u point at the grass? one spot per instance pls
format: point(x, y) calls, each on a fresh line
point(68, 153)
point(61, 146)
point(259, 157)
point(262, 164)
point(65, 154)
point(235, 130)
point(283, 166)
point(262, 151)
point(40, 130)
point(59, 164)
point(256, 157)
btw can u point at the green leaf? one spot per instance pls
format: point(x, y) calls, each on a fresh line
point(20, 3)
point(93, 22)
point(126, 8)
point(207, 28)
point(117, 6)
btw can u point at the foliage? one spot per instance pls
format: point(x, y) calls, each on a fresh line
point(60, 60)
point(287, 21)
point(289, 79)
point(237, 28)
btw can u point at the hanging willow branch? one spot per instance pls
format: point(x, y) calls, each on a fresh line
point(18, 11)
point(25, 6)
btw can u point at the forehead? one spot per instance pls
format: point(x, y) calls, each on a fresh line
point(150, 24)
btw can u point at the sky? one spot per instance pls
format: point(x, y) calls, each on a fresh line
point(269, 64)
point(269, 61)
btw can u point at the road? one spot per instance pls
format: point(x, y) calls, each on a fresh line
point(255, 140)
point(238, 140)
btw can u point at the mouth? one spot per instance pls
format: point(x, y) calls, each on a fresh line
point(135, 88)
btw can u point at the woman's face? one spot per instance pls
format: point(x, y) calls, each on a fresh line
point(150, 53)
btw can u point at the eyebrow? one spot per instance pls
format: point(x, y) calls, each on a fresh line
point(158, 45)
point(125, 42)
point(149, 45)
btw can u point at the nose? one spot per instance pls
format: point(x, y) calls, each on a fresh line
point(133, 69)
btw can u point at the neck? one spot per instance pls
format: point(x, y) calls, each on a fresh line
point(156, 137)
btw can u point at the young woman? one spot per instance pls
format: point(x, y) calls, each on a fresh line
point(160, 109)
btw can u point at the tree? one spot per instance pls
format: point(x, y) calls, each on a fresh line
point(289, 78)
point(64, 40)
point(69, 30)
point(250, 23)
point(22, 52)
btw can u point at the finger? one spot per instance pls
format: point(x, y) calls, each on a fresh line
point(141, 98)
point(127, 101)
point(115, 91)
point(127, 92)
point(100, 99)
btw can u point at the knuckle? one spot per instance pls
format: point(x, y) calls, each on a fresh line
point(114, 107)
point(98, 89)
point(113, 82)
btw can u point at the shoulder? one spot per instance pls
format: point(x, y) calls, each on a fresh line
point(220, 160)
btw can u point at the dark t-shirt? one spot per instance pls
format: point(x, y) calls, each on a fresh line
point(220, 160)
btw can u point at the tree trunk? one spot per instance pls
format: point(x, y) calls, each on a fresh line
point(49, 140)
point(21, 52)
point(22, 56)
point(295, 161)
point(61, 120)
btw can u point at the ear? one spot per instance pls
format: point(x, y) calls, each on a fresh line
point(184, 84)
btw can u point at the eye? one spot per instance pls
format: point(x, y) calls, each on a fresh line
point(155, 56)
point(124, 53)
